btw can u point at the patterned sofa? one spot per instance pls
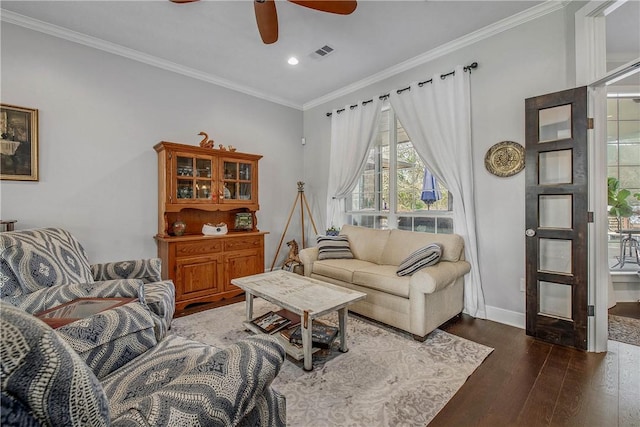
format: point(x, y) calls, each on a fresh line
point(119, 366)
point(43, 268)
point(176, 382)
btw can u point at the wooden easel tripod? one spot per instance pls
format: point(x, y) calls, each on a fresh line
point(302, 199)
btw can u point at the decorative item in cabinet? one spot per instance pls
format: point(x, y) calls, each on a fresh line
point(199, 186)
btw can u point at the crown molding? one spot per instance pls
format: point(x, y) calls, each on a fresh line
point(530, 14)
point(96, 43)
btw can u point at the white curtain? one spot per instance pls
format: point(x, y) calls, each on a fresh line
point(437, 118)
point(353, 133)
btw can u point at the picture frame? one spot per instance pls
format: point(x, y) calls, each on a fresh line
point(18, 143)
point(244, 221)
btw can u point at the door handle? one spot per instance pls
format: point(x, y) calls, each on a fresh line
point(530, 232)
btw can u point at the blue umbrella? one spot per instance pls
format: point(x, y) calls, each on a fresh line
point(430, 190)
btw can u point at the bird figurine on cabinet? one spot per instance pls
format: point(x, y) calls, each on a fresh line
point(206, 142)
point(222, 148)
point(232, 148)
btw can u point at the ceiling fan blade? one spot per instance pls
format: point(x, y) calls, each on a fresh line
point(267, 20)
point(182, 1)
point(341, 7)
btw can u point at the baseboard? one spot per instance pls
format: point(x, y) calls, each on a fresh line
point(508, 317)
point(626, 287)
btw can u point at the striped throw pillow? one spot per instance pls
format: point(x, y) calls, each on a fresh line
point(334, 247)
point(423, 257)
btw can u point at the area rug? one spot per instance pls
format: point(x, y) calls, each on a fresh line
point(624, 329)
point(386, 379)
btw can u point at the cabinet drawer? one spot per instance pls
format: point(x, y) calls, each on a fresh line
point(248, 242)
point(198, 248)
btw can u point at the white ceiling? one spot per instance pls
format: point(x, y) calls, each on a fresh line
point(218, 40)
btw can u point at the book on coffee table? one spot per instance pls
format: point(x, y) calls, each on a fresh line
point(322, 335)
point(271, 322)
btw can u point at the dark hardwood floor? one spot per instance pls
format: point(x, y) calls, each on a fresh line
point(526, 382)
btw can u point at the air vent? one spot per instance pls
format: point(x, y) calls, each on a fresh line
point(322, 52)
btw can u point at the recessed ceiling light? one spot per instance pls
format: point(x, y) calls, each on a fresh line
point(293, 61)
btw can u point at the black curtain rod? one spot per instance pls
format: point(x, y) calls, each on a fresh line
point(468, 68)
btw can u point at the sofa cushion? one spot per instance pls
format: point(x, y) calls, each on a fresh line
point(42, 258)
point(382, 278)
point(367, 244)
point(402, 243)
point(423, 257)
point(333, 247)
point(340, 269)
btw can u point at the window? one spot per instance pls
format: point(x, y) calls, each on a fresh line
point(389, 194)
point(623, 163)
point(623, 142)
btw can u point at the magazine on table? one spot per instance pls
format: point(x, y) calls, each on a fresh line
point(322, 335)
point(293, 318)
point(271, 322)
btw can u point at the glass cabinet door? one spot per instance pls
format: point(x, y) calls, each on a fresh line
point(237, 180)
point(194, 178)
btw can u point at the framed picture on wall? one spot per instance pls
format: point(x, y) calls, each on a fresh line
point(18, 143)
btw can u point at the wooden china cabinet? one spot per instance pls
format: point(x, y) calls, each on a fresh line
point(200, 186)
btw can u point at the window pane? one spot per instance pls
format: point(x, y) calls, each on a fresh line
point(445, 225)
point(414, 191)
point(371, 221)
point(375, 203)
point(629, 109)
point(612, 131)
point(612, 154)
point(612, 109)
point(630, 154)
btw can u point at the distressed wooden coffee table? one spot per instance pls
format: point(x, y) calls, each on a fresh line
point(307, 297)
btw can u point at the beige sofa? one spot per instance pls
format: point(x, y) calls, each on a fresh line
point(418, 303)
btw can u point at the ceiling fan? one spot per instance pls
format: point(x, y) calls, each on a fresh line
point(267, 17)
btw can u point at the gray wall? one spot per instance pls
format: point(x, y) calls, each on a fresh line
point(101, 115)
point(529, 60)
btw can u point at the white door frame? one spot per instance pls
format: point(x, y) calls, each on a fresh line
point(591, 60)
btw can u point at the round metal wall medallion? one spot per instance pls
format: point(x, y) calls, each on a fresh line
point(505, 158)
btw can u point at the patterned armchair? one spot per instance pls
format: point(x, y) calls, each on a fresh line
point(57, 378)
point(43, 268)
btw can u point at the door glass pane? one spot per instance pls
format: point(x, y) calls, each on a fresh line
point(245, 191)
point(555, 256)
point(184, 190)
point(203, 168)
point(555, 211)
point(230, 170)
point(230, 191)
point(203, 189)
point(554, 299)
point(245, 171)
point(555, 167)
point(185, 166)
point(554, 123)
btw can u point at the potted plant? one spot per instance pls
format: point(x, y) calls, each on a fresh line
point(617, 199)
